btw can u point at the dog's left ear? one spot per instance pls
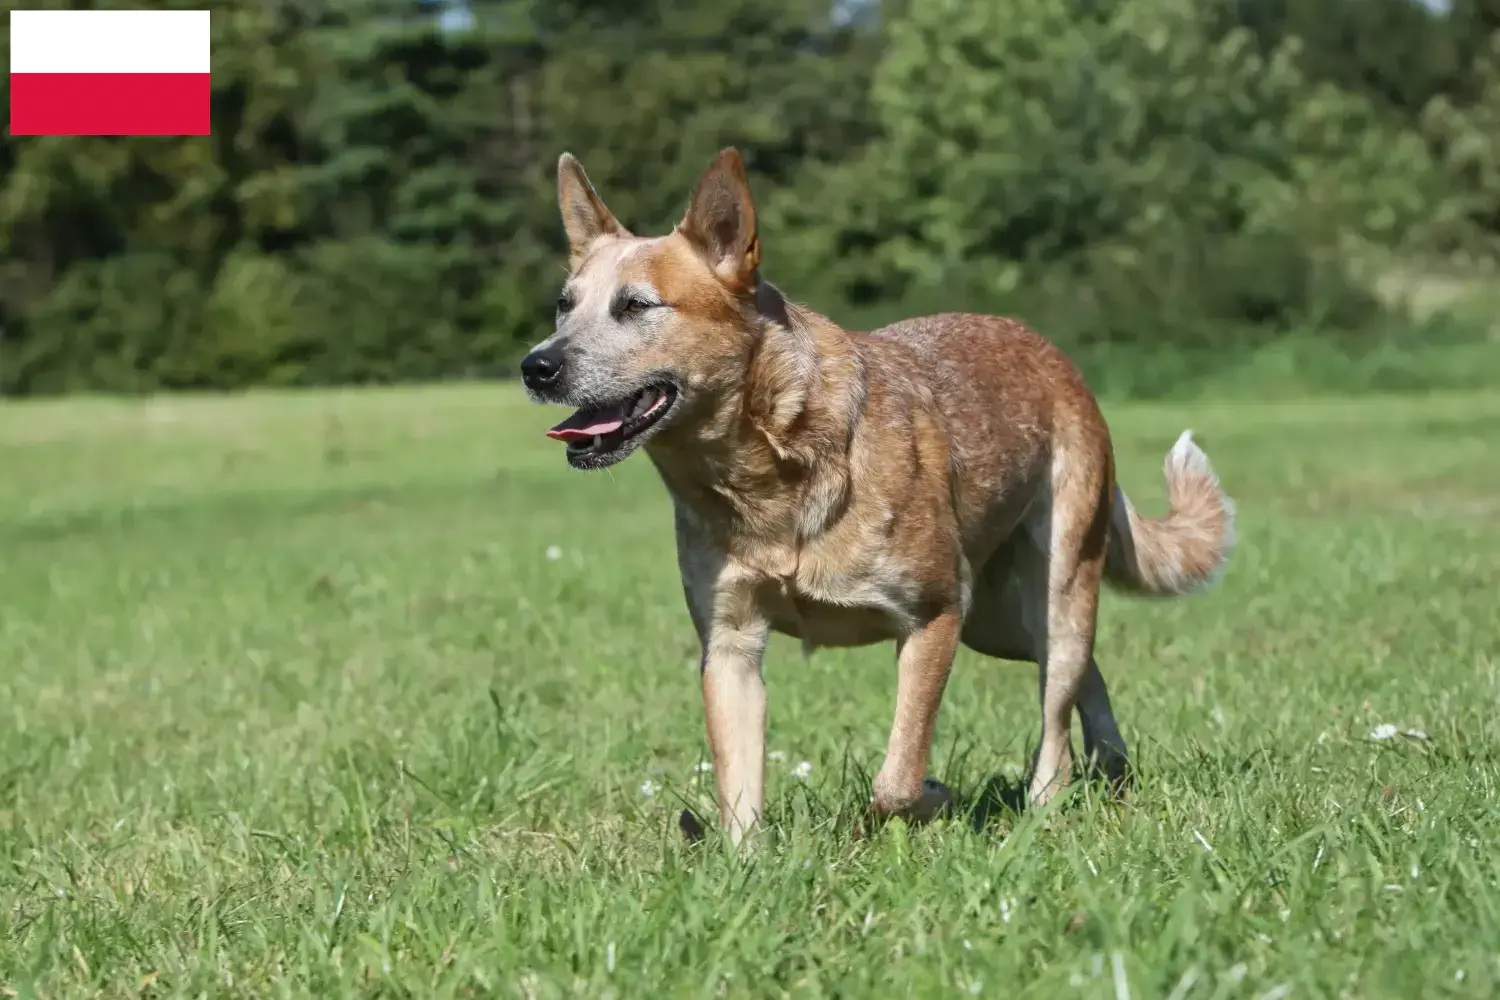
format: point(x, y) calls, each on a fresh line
point(720, 222)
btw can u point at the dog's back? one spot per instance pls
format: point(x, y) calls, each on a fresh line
point(1007, 400)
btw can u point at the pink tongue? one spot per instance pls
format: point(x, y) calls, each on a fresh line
point(588, 423)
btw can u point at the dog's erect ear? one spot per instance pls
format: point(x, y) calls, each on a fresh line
point(584, 216)
point(720, 222)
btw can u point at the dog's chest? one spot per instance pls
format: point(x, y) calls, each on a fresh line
point(826, 605)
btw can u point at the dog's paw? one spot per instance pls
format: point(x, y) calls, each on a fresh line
point(934, 801)
point(1112, 769)
point(692, 829)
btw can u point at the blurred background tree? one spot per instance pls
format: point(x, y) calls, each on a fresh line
point(1160, 185)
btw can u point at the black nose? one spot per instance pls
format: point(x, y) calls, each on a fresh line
point(540, 369)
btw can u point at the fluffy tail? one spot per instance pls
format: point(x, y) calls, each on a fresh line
point(1184, 551)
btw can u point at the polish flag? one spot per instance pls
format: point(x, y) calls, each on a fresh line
point(109, 72)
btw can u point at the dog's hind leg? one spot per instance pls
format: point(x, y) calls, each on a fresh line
point(1075, 525)
point(1103, 746)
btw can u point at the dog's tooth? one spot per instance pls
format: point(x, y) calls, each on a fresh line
point(598, 440)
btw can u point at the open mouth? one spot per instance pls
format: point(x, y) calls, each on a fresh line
point(603, 432)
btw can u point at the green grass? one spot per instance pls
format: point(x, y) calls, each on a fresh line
point(294, 702)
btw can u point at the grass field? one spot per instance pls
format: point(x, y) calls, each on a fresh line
point(367, 694)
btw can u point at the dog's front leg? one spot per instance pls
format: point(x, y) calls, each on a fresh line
point(734, 707)
point(924, 659)
point(732, 630)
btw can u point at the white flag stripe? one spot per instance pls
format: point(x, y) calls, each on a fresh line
point(109, 41)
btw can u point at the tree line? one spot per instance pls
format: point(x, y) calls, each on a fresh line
point(376, 202)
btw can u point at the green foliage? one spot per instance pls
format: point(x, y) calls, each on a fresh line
point(1468, 139)
point(376, 202)
point(1393, 51)
point(1136, 175)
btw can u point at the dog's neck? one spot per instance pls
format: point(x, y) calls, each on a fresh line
point(799, 366)
point(773, 448)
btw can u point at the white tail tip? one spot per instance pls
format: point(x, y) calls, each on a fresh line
point(1187, 457)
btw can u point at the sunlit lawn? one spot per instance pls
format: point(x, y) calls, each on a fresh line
point(368, 694)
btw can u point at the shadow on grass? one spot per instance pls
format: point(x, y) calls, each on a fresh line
point(993, 803)
point(997, 800)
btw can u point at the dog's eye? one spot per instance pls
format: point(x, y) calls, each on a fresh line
point(564, 302)
point(634, 305)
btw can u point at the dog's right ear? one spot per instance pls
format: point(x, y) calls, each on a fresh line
point(585, 219)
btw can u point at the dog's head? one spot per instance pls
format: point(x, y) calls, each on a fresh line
point(650, 330)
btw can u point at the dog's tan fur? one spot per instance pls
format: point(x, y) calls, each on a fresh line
point(944, 479)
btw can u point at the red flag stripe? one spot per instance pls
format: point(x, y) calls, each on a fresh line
point(109, 103)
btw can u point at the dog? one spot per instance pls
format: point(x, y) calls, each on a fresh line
point(946, 479)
